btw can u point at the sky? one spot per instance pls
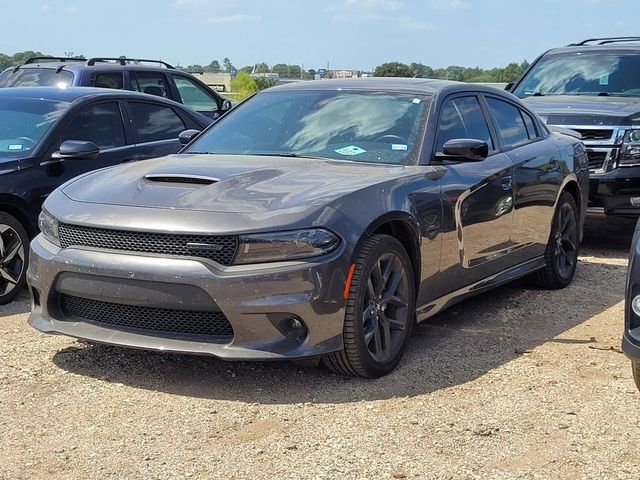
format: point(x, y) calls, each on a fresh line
point(353, 34)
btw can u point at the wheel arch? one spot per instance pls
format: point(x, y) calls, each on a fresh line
point(19, 209)
point(404, 228)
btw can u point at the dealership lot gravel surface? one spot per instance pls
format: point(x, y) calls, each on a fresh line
point(518, 383)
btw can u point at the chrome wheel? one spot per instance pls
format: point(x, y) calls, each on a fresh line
point(565, 250)
point(386, 312)
point(12, 259)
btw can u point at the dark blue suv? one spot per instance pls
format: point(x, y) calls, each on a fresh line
point(147, 76)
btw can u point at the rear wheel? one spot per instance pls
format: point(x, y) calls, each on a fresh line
point(380, 310)
point(561, 254)
point(14, 250)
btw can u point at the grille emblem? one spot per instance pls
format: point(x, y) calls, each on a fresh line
point(212, 247)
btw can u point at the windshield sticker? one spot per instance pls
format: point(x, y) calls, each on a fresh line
point(350, 150)
point(604, 79)
point(399, 147)
point(416, 100)
point(15, 147)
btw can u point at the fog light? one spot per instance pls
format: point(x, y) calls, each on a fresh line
point(635, 305)
point(635, 201)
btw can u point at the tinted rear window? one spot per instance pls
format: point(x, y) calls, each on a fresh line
point(37, 77)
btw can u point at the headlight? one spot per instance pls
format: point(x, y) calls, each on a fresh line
point(281, 246)
point(630, 154)
point(49, 227)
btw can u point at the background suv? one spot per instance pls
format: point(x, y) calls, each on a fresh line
point(147, 76)
point(593, 87)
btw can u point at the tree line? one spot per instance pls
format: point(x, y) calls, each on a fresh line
point(462, 74)
point(391, 69)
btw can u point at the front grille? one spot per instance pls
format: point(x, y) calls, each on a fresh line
point(594, 134)
point(210, 326)
point(220, 249)
point(596, 159)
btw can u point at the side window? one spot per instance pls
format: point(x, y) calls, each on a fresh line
point(100, 124)
point(530, 125)
point(155, 122)
point(151, 83)
point(194, 96)
point(510, 122)
point(109, 80)
point(462, 118)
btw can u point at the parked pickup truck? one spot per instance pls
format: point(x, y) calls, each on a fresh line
point(593, 87)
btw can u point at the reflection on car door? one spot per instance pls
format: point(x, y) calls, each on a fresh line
point(537, 176)
point(477, 200)
point(156, 129)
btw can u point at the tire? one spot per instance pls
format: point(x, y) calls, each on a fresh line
point(14, 257)
point(635, 369)
point(561, 254)
point(379, 314)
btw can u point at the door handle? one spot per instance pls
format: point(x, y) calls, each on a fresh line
point(507, 183)
point(554, 163)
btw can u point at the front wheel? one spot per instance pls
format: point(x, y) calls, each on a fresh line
point(561, 254)
point(380, 310)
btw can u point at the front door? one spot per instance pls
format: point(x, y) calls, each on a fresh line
point(477, 200)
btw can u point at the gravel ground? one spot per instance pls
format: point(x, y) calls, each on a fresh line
point(517, 383)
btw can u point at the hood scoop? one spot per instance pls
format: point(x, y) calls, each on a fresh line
point(181, 179)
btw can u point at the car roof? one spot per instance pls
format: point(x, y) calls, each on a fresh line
point(597, 48)
point(77, 66)
point(390, 84)
point(72, 94)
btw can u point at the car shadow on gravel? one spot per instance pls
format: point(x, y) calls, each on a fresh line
point(455, 347)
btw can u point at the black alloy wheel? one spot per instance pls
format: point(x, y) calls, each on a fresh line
point(380, 310)
point(562, 250)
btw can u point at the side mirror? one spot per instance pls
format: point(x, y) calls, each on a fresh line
point(508, 86)
point(226, 105)
point(465, 149)
point(76, 150)
point(188, 135)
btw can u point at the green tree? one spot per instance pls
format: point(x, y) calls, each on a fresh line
point(262, 83)
point(295, 71)
point(243, 85)
point(281, 69)
point(393, 69)
point(262, 68)
point(213, 67)
point(227, 65)
point(248, 69)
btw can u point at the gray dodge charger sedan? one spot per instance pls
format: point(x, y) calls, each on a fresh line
point(317, 219)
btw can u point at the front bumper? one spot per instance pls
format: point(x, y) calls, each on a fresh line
point(631, 345)
point(257, 301)
point(611, 193)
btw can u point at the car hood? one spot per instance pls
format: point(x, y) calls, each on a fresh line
point(237, 184)
point(585, 110)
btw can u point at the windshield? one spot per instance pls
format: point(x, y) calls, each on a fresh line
point(583, 73)
point(376, 127)
point(37, 77)
point(24, 122)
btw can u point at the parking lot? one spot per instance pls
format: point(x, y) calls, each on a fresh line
point(518, 383)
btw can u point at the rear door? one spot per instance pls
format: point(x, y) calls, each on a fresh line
point(155, 128)
point(477, 199)
point(537, 175)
